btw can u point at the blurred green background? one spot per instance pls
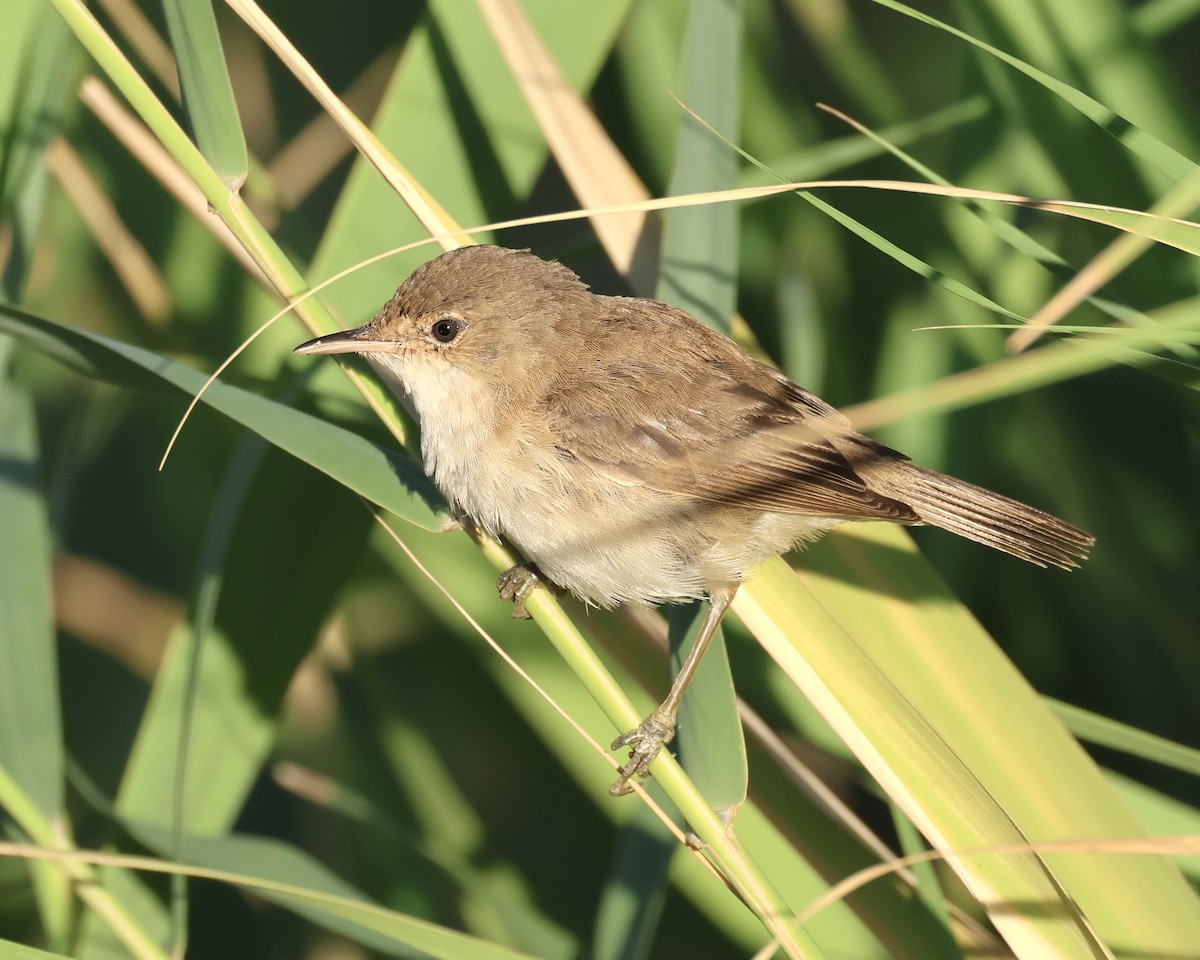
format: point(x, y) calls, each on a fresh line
point(349, 712)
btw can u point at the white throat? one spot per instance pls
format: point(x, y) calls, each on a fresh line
point(456, 413)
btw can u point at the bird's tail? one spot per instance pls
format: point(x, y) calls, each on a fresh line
point(988, 518)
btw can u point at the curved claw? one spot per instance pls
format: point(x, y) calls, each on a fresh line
point(655, 732)
point(517, 584)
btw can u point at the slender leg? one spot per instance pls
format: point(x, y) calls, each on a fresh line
point(658, 729)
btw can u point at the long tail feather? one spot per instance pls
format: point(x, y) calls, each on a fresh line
point(988, 518)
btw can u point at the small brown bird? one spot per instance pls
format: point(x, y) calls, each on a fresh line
point(633, 454)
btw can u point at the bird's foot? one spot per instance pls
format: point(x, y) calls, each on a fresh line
point(518, 583)
point(654, 733)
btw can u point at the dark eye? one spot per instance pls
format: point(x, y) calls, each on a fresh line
point(445, 329)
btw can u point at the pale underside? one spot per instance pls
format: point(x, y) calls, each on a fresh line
point(660, 473)
point(672, 510)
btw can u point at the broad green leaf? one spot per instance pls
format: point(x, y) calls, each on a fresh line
point(710, 744)
point(280, 873)
point(632, 901)
point(14, 951)
point(1163, 816)
point(390, 480)
point(962, 744)
point(233, 678)
point(902, 751)
point(31, 734)
point(698, 267)
point(30, 721)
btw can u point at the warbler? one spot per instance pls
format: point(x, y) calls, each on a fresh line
point(633, 454)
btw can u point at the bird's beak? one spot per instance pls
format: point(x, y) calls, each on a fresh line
point(357, 340)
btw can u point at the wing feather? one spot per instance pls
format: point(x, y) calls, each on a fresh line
point(741, 435)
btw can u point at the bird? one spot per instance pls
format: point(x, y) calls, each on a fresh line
point(633, 454)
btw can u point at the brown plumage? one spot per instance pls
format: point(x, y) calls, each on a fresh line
point(634, 454)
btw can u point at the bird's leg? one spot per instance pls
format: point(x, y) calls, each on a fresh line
point(517, 583)
point(658, 729)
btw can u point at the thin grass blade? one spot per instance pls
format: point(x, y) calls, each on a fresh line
point(31, 745)
point(698, 273)
point(207, 91)
point(1168, 161)
point(38, 92)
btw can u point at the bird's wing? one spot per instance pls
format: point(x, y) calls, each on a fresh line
point(740, 433)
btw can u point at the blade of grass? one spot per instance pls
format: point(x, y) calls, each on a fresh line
point(279, 270)
point(895, 613)
point(14, 951)
point(145, 40)
point(305, 161)
point(1121, 252)
point(439, 827)
point(700, 244)
point(847, 55)
point(1164, 816)
point(698, 273)
point(448, 28)
point(130, 261)
point(1158, 18)
point(1011, 234)
point(51, 846)
point(207, 90)
point(154, 158)
point(1163, 158)
point(632, 901)
point(795, 845)
point(873, 237)
point(914, 766)
point(822, 159)
point(31, 747)
point(391, 480)
point(484, 165)
point(436, 221)
point(310, 439)
point(224, 675)
point(1106, 732)
point(1098, 43)
point(213, 556)
point(1051, 364)
point(591, 162)
point(39, 98)
point(318, 893)
point(722, 845)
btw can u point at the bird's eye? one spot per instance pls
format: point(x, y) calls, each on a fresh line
point(445, 329)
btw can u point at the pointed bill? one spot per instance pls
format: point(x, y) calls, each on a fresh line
point(357, 340)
